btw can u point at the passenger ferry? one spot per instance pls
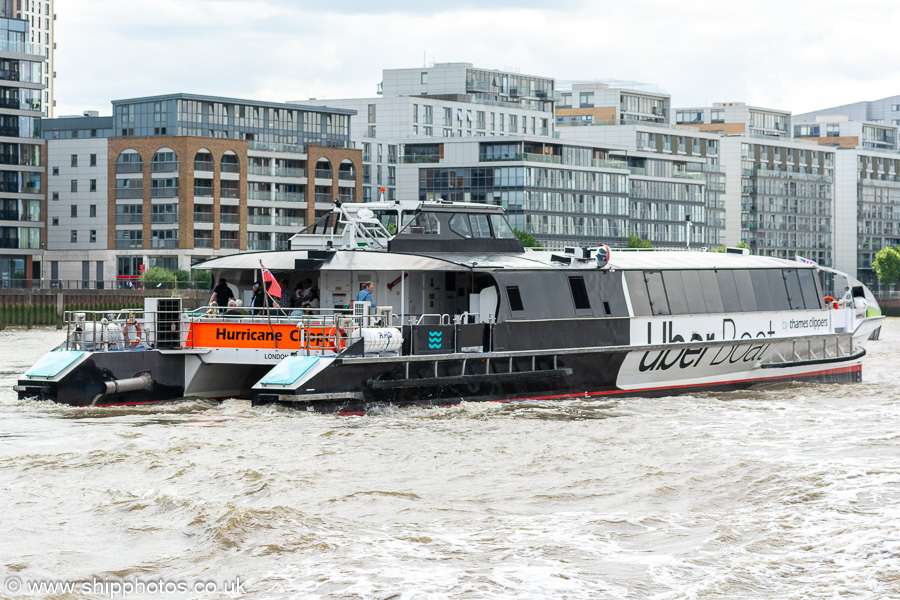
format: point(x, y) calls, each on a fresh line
point(465, 313)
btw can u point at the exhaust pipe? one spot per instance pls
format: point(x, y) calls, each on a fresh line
point(132, 384)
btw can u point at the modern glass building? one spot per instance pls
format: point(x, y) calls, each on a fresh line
point(22, 202)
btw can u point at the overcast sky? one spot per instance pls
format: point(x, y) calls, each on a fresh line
point(796, 56)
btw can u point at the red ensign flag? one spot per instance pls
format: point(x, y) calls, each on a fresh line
point(274, 289)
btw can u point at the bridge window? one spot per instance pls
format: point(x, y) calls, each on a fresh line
point(459, 224)
point(515, 298)
point(579, 293)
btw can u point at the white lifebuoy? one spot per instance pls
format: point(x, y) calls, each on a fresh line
point(137, 331)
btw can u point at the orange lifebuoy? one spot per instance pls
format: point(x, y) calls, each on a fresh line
point(137, 331)
point(336, 336)
point(829, 301)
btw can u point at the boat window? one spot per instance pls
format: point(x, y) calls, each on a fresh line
point(459, 224)
point(480, 227)
point(745, 291)
point(811, 297)
point(637, 290)
point(502, 230)
point(675, 292)
point(728, 288)
point(779, 291)
point(659, 304)
point(579, 293)
point(712, 295)
point(693, 293)
point(424, 223)
point(515, 299)
point(795, 294)
point(761, 291)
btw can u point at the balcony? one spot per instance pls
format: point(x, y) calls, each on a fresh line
point(203, 217)
point(165, 244)
point(202, 242)
point(323, 199)
point(202, 191)
point(129, 193)
point(269, 147)
point(290, 197)
point(231, 218)
point(288, 222)
point(288, 172)
point(225, 244)
point(164, 166)
point(204, 165)
point(130, 167)
point(164, 217)
point(259, 220)
point(421, 158)
point(128, 244)
point(164, 192)
point(259, 195)
point(610, 164)
point(231, 167)
point(129, 219)
point(259, 245)
point(258, 170)
point(229, 193)
point(323, 174)
point(342, 176)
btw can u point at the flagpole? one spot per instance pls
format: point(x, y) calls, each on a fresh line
point(262, 276)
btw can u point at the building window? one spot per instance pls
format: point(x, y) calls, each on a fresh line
point(56, 195)
point(55, 221)
point(93, 185)
point(93, 235)
point(93, 210)
point(74, 210)
point(717, 115)
point(371, 131)
point(586, 99)
point(74, 185)
point(93, 160)
point(74, 160)
point(371, 113)
point(56, 170)
point(74, 236)
point(423, 78)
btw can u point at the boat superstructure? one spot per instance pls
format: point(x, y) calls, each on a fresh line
point(465, 313)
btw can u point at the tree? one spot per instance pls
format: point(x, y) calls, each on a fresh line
point(527, 239)
point(182, 277)
point(887, 265)
point(741, 245)
point(204, 277)
point(154, 276)
point(636, 242)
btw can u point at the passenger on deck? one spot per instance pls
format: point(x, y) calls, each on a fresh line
point(365, 295)
point(235, 309)
point(221, 293)
point(312, 303)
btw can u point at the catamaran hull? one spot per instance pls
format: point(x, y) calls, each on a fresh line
point(357, 384)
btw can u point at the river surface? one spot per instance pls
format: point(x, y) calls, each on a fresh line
point(789, 491)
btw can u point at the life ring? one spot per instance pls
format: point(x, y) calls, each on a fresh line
point(137, 331)
point(830, 301)
point(336, 337)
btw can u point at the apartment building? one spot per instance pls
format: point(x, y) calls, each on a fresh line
point(840, 132)
point(41, 18)
point(609, 104)
point(23, 206)
point(885, 111)
point(171, 180)
point(736, 118)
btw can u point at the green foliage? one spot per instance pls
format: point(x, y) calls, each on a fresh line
point(527, 239)
point(204, 277)
point(157, 275)
point(636, 242)
point(181, 275)
point(741, 245)
point(887, 265)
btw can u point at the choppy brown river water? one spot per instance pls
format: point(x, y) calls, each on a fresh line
point(788, 491)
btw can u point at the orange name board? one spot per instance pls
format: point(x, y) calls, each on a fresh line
point(258, 335)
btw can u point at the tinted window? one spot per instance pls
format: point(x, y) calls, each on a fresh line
point(693, 292)
point(728, 289)
point(502, 230)
point(659, 305)
point(712, 296)
point(423, 223)
point(480, 227)
point(811, 296)
point(745, 291)
point(795, 294)
point(515, 299)
point(779, 291)
point(675, 292)
point(637, 290)
point(761, 292)
point(459, 224)
point(579, 293)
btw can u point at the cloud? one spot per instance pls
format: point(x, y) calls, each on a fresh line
point(765, 53)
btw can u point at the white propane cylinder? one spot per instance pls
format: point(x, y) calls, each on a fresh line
point(381, 339)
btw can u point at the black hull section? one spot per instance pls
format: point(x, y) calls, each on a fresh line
point(86, 384)
point(362, 387)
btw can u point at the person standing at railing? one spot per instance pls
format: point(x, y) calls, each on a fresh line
point(365, 295)
point(221, 293)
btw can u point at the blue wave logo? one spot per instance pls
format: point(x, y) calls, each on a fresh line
point(435, 339)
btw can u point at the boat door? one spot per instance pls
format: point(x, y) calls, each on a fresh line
point(379, 295)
